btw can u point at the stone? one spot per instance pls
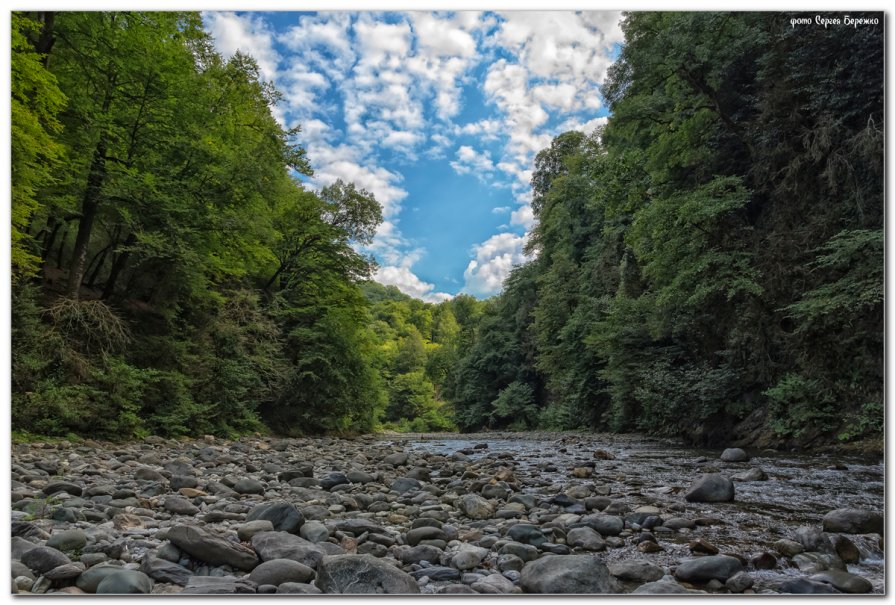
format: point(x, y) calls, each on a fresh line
point(180, 506)
point(356, 476)
point(125, 581)
point(843, 581)
point(678, 523)
point(739, 582)
point(526, 533)
point(284, 516)
point(475, 507)
point(788, 548)
point(69, 540)
point(753, 474)
point(703, 569)
point(846, 549)
point(332, 480)
point(314, 531)
point(494, 584)
point(245, 531)
point(362, 574)
point(586, 538)
point(19, 546)
point(164, 571)
point(570, 574)
point(468, 557)
point(456, 589)
point(90, 579)
point(396, 459)
point(66, 572)
point(702, 547)
point(711, 487)
point(44, 558)
point(605, 525)
point(804, 586)
point(421, 552)
point(272, 545)
point(734, 454)
point(279, 571)
point(853, 521)
point(813, 539)
point(636, 571)
point(248, 485)
point(664, 586)
point(219, 585)
point(763, 560)
point(211, 548)
point(144, 473)
point(417, 535)
point(54, 487)
point(437, 573)
point(297, 588)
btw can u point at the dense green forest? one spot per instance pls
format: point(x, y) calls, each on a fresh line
point(709, 265)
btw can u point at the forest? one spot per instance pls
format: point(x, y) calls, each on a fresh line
point(708, 265)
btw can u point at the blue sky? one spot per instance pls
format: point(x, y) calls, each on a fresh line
point(439, 115)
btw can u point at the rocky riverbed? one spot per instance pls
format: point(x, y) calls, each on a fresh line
point(458, 514)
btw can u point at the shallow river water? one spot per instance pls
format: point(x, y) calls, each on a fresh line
point(800, 488)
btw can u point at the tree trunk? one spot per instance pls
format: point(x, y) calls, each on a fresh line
point(61, 250)
point(117, 266)
point(100, 259)
point(44, 43)
point(95, 180)
point(50, 238)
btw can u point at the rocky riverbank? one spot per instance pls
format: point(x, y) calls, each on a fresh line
point(531, 513)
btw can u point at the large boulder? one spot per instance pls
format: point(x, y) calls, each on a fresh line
point(567, 574)
point(362, 574)
point(44, 558)
point(283, 515)
point(711, 487)
point(211, 548)
point(853, 521)
point(703, 569)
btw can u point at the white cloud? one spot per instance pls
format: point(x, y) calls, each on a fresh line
point(248, 34)
point(408, 283)
point(524, 216)
point(470, 161)
point(494, 259)
point(500, 210)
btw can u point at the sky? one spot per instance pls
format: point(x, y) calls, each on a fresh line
point(439, 115)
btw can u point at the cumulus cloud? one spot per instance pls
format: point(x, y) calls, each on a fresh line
point(494, 258)
point(524, 216)
point(247, 34)
point(408, 283)
point(470, 161)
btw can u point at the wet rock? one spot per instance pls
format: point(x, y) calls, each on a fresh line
point(703, 569)
point(853, 521)
point(475, 507)
point(571, 574)
point(211, 548)
point(702, 547)
point(42, 559)
point(678, 523)
point(649, 547)
point(283, 515)
point(362, 574)
point(219, 585)
point(636, 571)
point(279, 571)
point(763, 560)
point(711, 487)
point(843, 581)
point(69, 540)
point(813, 539)
point(734, 454)
point(813, 562)
point(126, 581)
point(803, 586)
point(161, 570)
